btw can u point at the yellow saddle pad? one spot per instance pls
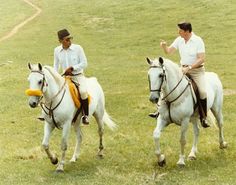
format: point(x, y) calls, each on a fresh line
point(75, 93)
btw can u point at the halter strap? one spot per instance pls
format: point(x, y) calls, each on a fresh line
point(50, 109)
point(163, 79)
point(170, 102)
point(173, 88)
point(159, 89)
point(44, 80)
point(37, 71)
point(43, 104)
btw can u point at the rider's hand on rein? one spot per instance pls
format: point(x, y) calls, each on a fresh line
point(68, 71)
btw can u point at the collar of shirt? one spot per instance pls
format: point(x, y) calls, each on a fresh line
point(70, 48)
point(193, 37)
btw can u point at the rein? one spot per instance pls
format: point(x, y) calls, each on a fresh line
point(43, 104)
point(165, 97)
point(170, 102)
point(50, 109)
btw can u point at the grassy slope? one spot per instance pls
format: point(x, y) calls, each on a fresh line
point(116, 36)
point(12, 12)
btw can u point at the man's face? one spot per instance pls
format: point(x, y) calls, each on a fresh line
point(66, 42)
point(181, 32)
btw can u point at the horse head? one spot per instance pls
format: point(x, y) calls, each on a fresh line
point(38, 84)
point(156, 78)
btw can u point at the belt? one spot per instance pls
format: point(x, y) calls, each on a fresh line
point(195, 67)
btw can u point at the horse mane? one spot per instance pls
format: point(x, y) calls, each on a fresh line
point(170, 66)
point(58, 78)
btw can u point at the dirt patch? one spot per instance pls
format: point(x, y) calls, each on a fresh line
point(6, 63)
point(30, 154)
point(18, 26)
point(228, 92)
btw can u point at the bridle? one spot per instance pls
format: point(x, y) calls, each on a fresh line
point(50, 109)
point(43, 82)
point(163, 76)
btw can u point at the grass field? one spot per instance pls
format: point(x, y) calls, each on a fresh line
point(117, 36)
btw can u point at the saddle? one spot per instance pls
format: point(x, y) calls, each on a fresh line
point(197, 104)
point(75, 92)
point(76, 97)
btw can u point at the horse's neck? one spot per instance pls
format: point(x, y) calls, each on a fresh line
point(173, 77)
point(53, 87)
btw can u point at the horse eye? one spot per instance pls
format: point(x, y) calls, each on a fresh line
point(161, 75)
point(40, 82)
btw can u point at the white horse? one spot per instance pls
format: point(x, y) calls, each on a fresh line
point(59, 109)
point(173, 93)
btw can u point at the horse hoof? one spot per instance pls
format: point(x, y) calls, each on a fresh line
point(223, 145)
point(54, 161)
point(73, 160)
point(59, 171)
point(100, 156)
point(162, 163)
point(192, 158)
point(181, 164)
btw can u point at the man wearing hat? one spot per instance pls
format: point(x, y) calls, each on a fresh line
point(71, 58)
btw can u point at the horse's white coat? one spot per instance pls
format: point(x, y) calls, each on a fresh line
point(66, 110)
point(182, 110)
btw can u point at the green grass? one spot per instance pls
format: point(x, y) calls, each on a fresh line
point(11, 13)
point(117, 36)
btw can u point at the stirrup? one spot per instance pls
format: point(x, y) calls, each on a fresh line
point(85, 120)
point(154, 114)
point(41, 118)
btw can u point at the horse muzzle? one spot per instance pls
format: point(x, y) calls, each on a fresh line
point(153, 98)
point(35, 96)
point(33, 104)
point(34, 101)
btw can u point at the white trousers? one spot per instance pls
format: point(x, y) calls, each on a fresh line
point(198, 75)
point(80, 80)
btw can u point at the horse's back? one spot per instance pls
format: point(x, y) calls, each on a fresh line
point(213, 82)
point(95, 90)
point(93, 84)
point(214, 88)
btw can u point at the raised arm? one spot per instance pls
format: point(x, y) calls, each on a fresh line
point(167, 49)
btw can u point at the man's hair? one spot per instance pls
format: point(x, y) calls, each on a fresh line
point(186, 26)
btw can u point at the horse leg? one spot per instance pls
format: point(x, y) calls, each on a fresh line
point(47, 133)
point(100, 123)
point(78, 142)
point(184, 127)
point(219, 118)
point(192, 155)
point(156, 135)
point(65, 136)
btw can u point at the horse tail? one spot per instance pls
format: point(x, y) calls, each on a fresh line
point(108, 121)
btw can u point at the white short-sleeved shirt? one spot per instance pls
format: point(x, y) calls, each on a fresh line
point(188, 51)
point(73, 56)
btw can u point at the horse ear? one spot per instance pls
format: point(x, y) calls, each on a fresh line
point(29, 66)
point(149, 61)
point(40, 66)
point(161, 60)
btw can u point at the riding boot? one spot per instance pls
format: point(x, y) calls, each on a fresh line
point(85, 107)
point(154, 114)
point(203, 116)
